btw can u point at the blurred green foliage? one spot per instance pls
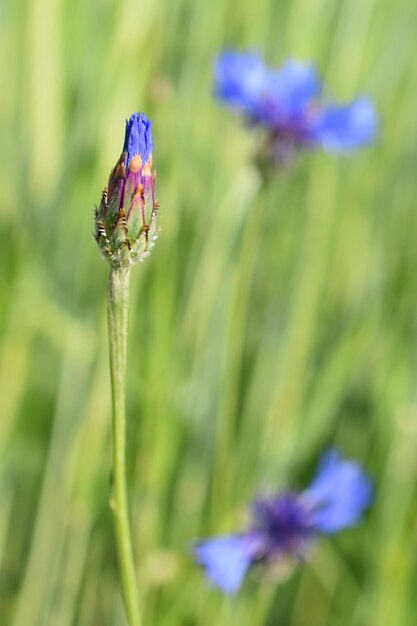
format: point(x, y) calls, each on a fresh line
point(266, 324)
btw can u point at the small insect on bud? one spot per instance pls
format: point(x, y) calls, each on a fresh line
point(126, 218)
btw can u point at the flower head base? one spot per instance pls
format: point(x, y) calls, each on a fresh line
point(283, 526)
point(287, 524)
point(288, 104)
point(126, 218)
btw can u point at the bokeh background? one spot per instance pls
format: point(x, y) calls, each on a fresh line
point(267, 324)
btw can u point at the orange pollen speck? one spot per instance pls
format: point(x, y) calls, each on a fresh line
point(146, 171)
point(135, 164)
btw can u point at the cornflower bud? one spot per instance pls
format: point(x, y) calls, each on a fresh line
point(126, 218)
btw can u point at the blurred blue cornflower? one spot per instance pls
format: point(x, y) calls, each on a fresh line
point(287, 102)
point(285, 525)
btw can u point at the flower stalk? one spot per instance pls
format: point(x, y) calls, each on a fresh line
point(125, 230)
point(118, 311)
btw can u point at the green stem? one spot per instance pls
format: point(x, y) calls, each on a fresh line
point(118, 310)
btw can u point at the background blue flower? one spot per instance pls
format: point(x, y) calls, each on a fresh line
point(288, 103)
point(285, 525)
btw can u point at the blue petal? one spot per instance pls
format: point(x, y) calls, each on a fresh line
point(138, 137)
point(340, 492)
point(225, 559)
point(344, 128)
point(239, 80)
point(290, 90)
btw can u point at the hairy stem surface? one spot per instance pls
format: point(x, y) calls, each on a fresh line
point(118, 309)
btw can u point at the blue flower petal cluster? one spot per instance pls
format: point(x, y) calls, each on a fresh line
point(138, 138)
point(226, 560)
point(339, 493)
point(286, 524)
point(288, 103)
